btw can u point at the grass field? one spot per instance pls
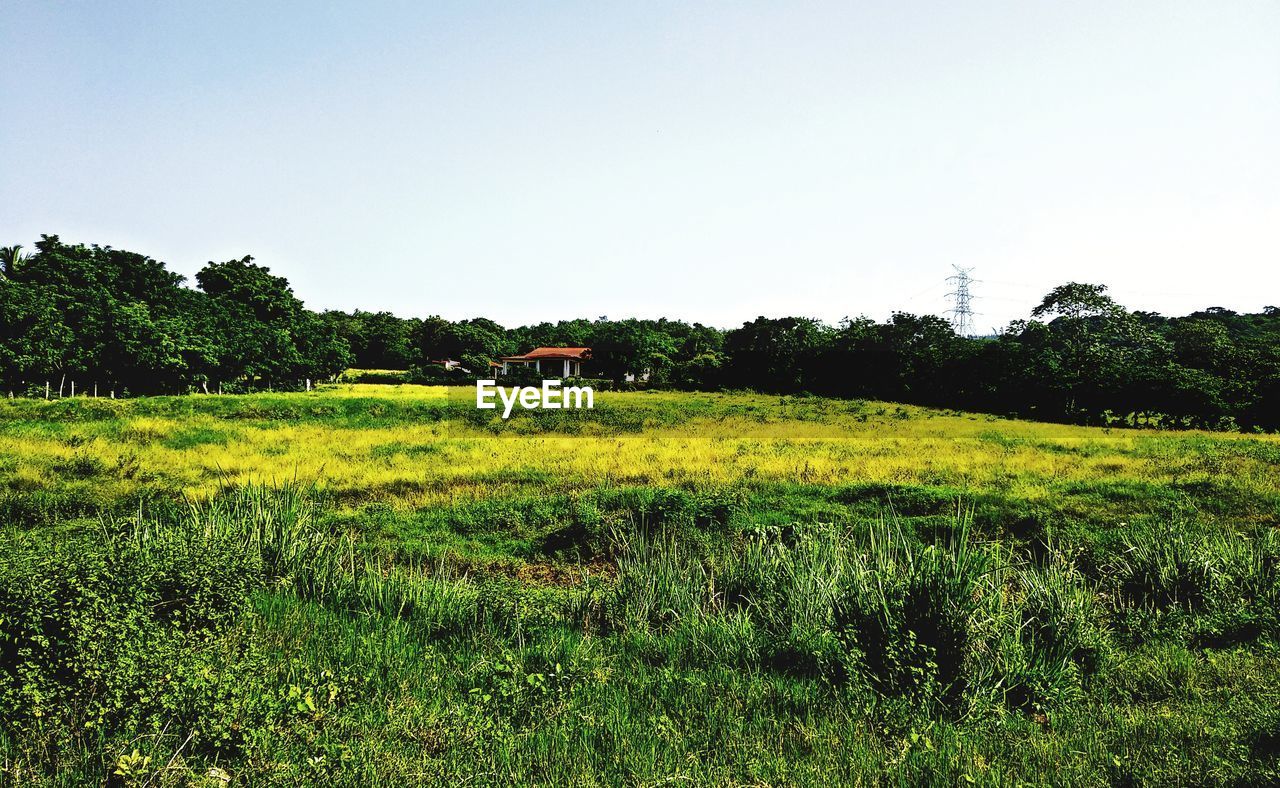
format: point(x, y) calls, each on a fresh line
point(374, 584)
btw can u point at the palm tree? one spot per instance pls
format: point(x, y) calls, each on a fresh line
point(11, 257)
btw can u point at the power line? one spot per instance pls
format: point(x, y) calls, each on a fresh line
point(923, 292)
point(962, 310)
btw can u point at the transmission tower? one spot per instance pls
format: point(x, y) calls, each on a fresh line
point(962, 309)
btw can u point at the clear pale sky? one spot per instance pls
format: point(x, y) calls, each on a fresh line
point(710, 162)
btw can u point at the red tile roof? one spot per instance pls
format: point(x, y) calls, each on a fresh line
point(552, 353)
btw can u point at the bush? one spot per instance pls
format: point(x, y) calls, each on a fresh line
point(385, 376)
point(909, 612)
point(950, 629)
point(1051, 639)
point(435, 375)
point(134, 630)
point(1222, 586)
point(92, 631)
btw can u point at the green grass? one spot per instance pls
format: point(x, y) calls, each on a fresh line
point(677, 589)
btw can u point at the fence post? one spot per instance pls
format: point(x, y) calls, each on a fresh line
point(73, 389)
point(46, 389)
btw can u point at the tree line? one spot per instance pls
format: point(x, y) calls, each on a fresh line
point(122, 322)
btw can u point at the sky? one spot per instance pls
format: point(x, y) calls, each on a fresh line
point(710, 162)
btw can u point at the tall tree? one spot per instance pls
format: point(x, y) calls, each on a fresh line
point(11, 259)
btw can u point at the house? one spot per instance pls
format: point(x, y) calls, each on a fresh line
point(556, 362)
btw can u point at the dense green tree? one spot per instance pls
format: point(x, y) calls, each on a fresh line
point(96, 315)
point(243, 282)
point(11, 259)
point(271, 339)
point(378, 340)
point(776, 354)
point(631, 347)
point(71, 313)
point(34, 340)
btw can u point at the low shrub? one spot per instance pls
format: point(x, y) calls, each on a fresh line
point(1220, 588)
point(95, 633)
point(951, 627)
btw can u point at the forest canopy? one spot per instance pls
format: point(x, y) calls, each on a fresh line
point(120, 321)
